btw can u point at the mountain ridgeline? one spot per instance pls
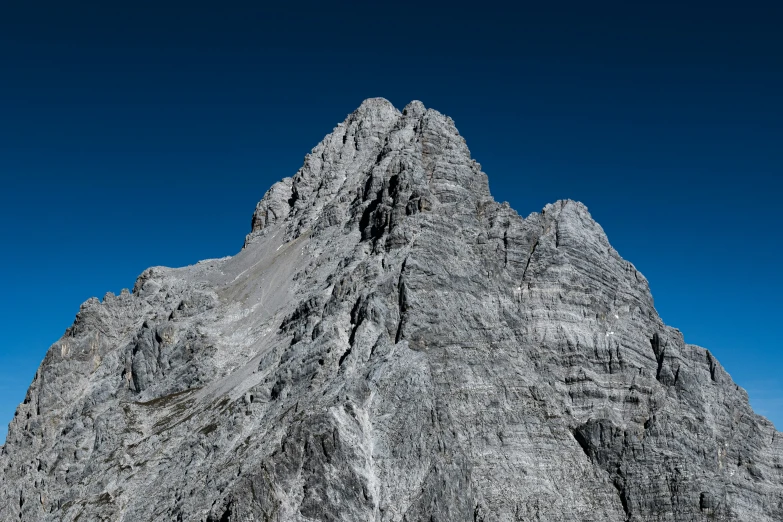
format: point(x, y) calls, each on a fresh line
point(390, 344)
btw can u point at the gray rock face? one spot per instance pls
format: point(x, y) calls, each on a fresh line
point(390, 344)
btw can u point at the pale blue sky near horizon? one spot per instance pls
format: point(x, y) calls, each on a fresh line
point(138, 137)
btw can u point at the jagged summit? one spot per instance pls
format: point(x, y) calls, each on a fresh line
point(391, 344)
point(356, 157)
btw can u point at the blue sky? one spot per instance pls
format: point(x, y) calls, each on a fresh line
point(133, 137)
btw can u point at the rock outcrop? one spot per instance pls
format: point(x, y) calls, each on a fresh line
point(391, 344)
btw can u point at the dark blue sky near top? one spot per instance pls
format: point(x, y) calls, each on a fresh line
point(144, 135)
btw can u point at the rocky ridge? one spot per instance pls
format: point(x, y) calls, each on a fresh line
point(391, 344)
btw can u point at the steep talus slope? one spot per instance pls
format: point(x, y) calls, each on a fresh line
point(391, 344)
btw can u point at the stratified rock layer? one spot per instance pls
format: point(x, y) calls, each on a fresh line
point(391, 344)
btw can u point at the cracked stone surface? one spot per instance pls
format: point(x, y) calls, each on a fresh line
point(391, 344)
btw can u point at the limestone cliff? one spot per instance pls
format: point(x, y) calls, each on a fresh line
point(390, 344)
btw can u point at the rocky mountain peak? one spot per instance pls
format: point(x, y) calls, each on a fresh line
point(375, 109)
point(391, 344)
point(377, 152)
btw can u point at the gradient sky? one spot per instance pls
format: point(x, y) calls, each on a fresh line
point(141, 136)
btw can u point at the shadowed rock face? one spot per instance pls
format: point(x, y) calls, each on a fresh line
point(391, 344)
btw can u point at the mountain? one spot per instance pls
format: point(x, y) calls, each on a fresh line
point(390, 344)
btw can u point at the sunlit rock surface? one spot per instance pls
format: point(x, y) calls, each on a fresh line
point(390, 344)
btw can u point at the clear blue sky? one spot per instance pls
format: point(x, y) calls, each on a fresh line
point(132, 137)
